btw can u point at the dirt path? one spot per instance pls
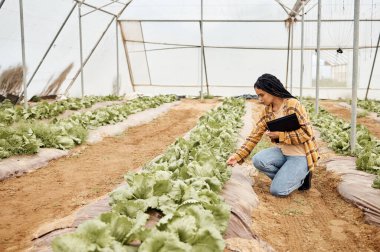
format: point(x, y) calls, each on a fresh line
point(64, 185)
point(332, 107)
point(315, 220)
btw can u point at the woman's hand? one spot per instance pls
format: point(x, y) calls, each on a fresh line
point(231, 160)
point(273, 135)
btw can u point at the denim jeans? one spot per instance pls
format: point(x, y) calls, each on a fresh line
point(287, 172)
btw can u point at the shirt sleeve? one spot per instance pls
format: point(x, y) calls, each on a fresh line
point(252, 140)
point(304, 133)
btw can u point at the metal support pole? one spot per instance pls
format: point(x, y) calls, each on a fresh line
point(23, 55)
point(81, 49)
point(146, 55)
point(203, 57)
point(128, 59)
point(51, 45)
point(373, 66)
point(355, 76)
point(200, 25)
point(117, 59)
point(205, 67)
point(291, 56)
point(1, 3)
point(318, 57)
point(287, 56)
point(302, 48)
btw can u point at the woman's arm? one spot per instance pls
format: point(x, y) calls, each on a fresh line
point(251, 140)
point(304, 133)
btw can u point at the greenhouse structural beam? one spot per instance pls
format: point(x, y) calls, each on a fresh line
point(194, 86)
point(355, 75)
point(117, 58)
point(243, 21)
point(146, 55)
point(249, 48)
point(302, 47)
point(318, 57)
point(203, 56)
point(162, 49)
point(312, 7)
point(298, 6)
point(291, 56)
point(126, 47)
point(51, 44)
point(127, 58)
point(373, 66)
point(98, 8)
point(284, 7)
point(200, 24)
point(95, 8)
point(23, 55)
point(1, 3)
point(287, 59)
point(81, 49)
point(246, 86)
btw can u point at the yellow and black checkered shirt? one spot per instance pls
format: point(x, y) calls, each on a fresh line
point(304, 135)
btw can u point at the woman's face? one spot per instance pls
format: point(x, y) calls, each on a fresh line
point(264, 97)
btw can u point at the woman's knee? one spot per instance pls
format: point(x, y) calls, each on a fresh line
point(279, 191)
point(280, 187)
point(258, 162)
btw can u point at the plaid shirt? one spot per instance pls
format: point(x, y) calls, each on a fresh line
point(304, 135)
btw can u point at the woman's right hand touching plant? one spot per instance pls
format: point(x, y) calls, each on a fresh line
point(231, 160)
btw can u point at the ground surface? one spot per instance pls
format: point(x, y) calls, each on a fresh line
point(315, 220)
point(58, 189)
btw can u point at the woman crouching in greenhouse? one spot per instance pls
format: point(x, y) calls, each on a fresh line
point(291, 162)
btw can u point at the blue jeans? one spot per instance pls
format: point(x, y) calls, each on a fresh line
point(287, 172)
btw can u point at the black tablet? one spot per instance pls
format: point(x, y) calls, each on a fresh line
point(286, 123)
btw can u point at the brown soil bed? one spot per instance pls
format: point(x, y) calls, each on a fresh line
point(64, 185)
point(332, 107)
point(315, 220)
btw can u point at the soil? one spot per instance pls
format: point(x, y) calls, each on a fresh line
point(332, 107)
point(66, 184)
point(315, 220)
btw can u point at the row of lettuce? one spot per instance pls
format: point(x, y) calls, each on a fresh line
point(370, 105)
point(173, 203)
point(10, 114)
point(336, 132)
point(28, 136)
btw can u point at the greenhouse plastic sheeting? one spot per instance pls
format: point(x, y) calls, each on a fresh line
point(239, 229)
point(356, 187)
point(18, 165)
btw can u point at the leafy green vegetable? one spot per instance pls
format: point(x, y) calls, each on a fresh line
point(44, 110)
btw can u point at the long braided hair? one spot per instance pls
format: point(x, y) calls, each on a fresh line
point(270, 84)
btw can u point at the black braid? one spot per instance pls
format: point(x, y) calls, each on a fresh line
point(272, 85)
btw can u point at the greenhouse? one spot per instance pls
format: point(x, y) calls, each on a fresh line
point(189, 125)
